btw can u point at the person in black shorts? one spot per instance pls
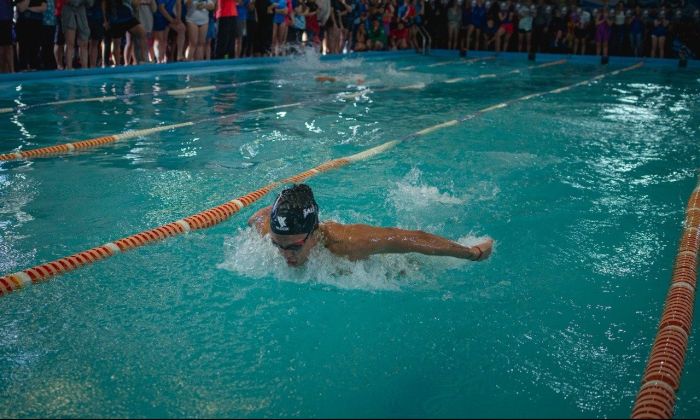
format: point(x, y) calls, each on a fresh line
point(118, 18)
point(97, 32)
point(7, 56)
point(30, 19)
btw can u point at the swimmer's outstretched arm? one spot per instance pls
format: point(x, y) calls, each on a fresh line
point(361, 241)
point(261, 220)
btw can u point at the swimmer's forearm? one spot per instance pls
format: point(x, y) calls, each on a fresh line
point(401, 241)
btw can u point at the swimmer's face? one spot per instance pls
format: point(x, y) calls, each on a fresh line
point(294, 248)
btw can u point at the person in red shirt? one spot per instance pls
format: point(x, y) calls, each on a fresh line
point(398, 37)
point(227, 16)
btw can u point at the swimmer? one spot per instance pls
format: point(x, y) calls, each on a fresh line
point(324, 78)
point(293, 227)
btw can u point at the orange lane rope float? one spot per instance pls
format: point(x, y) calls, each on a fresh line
point(661, 378)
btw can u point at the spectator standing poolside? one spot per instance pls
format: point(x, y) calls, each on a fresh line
point(30, 19)
point(74, 22)
point(226, 17)
point(97, 32)
point(7, 53)
point(165, 19)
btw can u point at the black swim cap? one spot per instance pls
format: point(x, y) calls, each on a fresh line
point(295, 211)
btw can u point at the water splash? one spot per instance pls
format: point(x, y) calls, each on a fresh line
point(248, 254)
point(411, 193)
point(307, 58)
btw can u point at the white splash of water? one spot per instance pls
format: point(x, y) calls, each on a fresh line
point(410, 193)
point(248, 254)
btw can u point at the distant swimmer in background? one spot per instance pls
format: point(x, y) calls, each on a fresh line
point(293, 227)
point(323, 78)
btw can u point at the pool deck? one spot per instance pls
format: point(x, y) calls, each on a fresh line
point(246, 63)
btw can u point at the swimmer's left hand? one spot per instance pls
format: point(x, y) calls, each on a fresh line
point(481, 251)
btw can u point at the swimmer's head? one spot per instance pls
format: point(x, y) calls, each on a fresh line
point(295, 211)
point(293, 218)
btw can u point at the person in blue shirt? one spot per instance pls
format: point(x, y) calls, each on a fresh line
point(280, 11)
point(242, 7)
point(478, 21)
point(97, 32)
point(168, 17)
point(636, 27)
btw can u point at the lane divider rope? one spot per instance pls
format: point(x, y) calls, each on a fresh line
point(101, 141)
point(516, 71)
point(173, 92)
point(218, 214)
point(661, 379)
point(461, 61)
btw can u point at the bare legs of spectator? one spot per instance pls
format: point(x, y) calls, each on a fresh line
point(582, 43)
point(452, 31)
point(275, 36)
point(238, 46)
point(7, 59)
point(345, 37)
point(636, 42)
point(527, 37)
point(93, 52)
point(128, 51)
point(58, 55)
point(466, 38)
point(160, 41)
point(207, 49)
point(70, 49)
point(506, 41)
point(179, 27)
point(160, 44)
point(331, 39)
point(138, 36)
point(501, 32)
point(116, 51)
point(196, 36)
point(477, 37)
point(657, 43)
point(279, 36)
point(283, 38)
point(151, 52)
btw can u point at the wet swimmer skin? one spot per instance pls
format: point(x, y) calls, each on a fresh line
point(293, 226)
point(331, 79)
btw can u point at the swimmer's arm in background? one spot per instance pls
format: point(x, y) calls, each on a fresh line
point(261, 220)
point(361, 241)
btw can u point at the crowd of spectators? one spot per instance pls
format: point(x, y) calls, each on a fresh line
point(66, 34)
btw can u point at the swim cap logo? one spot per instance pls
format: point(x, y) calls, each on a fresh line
point(282, 222)
point(308, 211)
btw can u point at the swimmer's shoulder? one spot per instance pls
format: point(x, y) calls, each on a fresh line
point(346, 240)
point(261, 220)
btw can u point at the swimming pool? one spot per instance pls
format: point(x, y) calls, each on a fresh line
point(583, 191)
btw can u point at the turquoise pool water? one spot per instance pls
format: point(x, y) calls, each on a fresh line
point(583, 191)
